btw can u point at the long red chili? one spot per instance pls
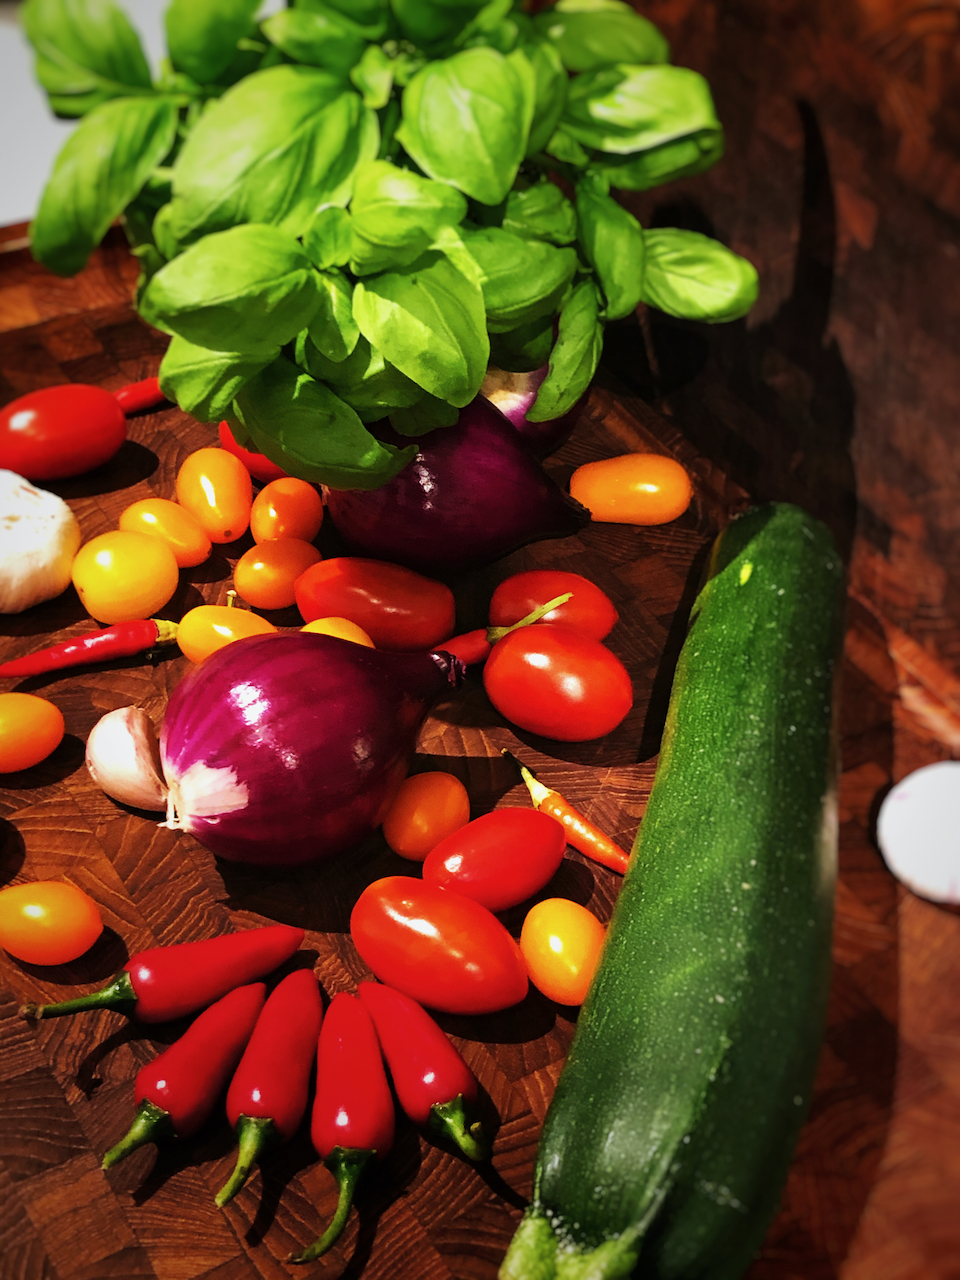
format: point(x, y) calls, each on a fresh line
point(168, 982)
point(177, 1092)
point(434, 1085)
point(474, 646)
point(122, 640)
point(137, 397)
point(269, 1092)
point(353, 1120)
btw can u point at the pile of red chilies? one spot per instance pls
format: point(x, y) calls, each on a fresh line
point(264, 1048)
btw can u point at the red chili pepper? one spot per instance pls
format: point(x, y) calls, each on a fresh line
point(474, 646)
point(268, 1094)
point(433, 1083)
point(353, 1118)
point(169, 982)
point(122, 640)
point(138, 397)
point(177, 1092)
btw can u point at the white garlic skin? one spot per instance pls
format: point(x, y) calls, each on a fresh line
point(39, 538)
point(123, 758)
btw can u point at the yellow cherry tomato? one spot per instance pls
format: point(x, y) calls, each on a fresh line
point(216, 488)
point(264, 575)
point(342, 627)
point(124, 575)
point(49, 922)
point(286, 508)
point(428, 808)
point(30, 728)
point(635, 488)
point(171, 522)
point(209, 627)
point(561, 943)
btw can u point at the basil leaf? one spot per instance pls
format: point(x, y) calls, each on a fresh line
point(541, 212)
point(202, 35)
point(372, 17)
point(430, 23)
point(320, 39)
point(365, 380)
point(623, 109)
point(373, 76)
point(465, 122)
point(574, 358)
point(695, 278)
point(302, 426)
point(204, 382)
point(396, 215)
point(426, 415)
point(101, 168)
point(327, 239)
point(87, 53)
point(525, 348)
point(567, 149)
point(588, 35)
point(428, 320)
point(333, 328)
point(613, 244)
point(671, 160)
point(273, 149)
point(522, 280)
point(550, 93)
point(163, 236)
point(251, 283)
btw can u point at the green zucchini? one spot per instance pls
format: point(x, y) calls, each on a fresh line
point(667, 1142)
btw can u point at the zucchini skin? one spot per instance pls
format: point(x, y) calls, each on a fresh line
point(674, 1121)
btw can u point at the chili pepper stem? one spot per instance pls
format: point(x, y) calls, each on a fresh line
point(254, 1135)
point(449, 1119)
point(149, 1124)
point(497, 633)
point(119, 995)
point(346, 1164)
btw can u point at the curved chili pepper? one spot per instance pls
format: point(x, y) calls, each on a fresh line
point(268, 1094)
point(122, 640)
point(137, 397)
point(177, 1091)
point(474, 646)
point(168, 982)
point(353, 1120)
point(433, 1083)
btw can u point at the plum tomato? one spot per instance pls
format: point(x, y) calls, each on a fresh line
point(258, 464)
point(343, 628)
point(30, 728)
point(168, 520)
point(215, 487)
point(441, 949)
point(500, 859)
point(124, 575)
point(286, 508)
point(634, 488)
point(561, 944)
point(58, 432)
point(428, 808)
point(209, 627)
point(588, 610)
point(553, 681)
point(398, 608)
point(48, 922)
point(264, 575)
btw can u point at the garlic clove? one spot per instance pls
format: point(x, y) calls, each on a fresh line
point(123, 757)
point(39, 538)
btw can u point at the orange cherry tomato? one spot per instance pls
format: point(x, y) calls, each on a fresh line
point(209, 627)
point(342, 627)
point(49, 922)
point(215, 486)
point(286, 508)
point(30, 728)
point(124, 575)
point(264, 575)
point(168, 520)
point(561, 944)
point(428, 808)
point(635, 488)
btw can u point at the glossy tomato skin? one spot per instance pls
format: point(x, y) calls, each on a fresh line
point(31, 728)
point(48, 922)
point(440, 948)
point(264, 575)
point(215, 487)
point(259, 466)
point(341, 627)
point(428, 807)
point(553, 681)
point(634, 488)
point(123, 575)
point(588, 611)
point(58, 432)
point(209, 627)
point(398, 609)
point(168, 520)
point(286, 508)
point(500, 859)
point(561, 942)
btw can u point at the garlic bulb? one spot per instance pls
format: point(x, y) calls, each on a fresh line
point(39, 537)
point(123, 757)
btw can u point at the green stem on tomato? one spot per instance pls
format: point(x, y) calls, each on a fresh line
point(497, 633)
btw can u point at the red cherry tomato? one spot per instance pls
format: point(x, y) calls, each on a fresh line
point(59, 432)
point(499, 859)
point(440, 948)
point(397, 608)
point(258, 464)
point(48, 922)
point(635, 488)
point(428, 807)
point(553, 681)
point(588, 610)
point(561, 944)
point(215, 487)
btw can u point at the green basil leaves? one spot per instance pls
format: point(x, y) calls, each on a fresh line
point(696, 278)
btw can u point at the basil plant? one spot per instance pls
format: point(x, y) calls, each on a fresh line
point(345, 211)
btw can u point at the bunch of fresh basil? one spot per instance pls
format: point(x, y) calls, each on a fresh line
point(344, 212)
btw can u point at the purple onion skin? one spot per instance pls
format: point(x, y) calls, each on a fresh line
point(319, 732)
point(473, 493)
point(514, 393)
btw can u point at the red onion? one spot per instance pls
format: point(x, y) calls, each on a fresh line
point(514, 393)
point(283, 749)
point(473, 493)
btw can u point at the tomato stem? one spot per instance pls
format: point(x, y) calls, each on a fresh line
point(497, 633)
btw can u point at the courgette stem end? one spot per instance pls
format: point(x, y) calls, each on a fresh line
point(537, 1252)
